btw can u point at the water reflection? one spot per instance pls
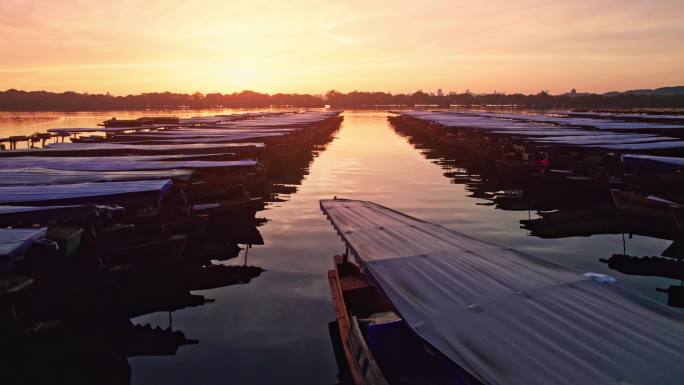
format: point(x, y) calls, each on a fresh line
point(74, 323)
point(85, 319)
point(274, 329)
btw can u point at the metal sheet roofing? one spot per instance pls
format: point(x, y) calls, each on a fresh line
point(124, 163)
point(13, 242)
point(506, 317)
point(46, 176)
point(84, 192)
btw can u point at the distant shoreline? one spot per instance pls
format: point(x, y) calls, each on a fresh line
point(34, 101)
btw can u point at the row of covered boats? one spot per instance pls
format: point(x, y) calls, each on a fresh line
point(628, 191)
point(102, 229)
point(418, 303)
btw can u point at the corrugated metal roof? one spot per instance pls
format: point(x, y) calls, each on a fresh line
point(508, 317)
point(13, 242)
point(84, 191)
point(118, 163)
point(46, 176)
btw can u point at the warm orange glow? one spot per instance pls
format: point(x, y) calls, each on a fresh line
point(312, 46)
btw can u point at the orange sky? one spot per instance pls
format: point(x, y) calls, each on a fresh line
point(130, 46)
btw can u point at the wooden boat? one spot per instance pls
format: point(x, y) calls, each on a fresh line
point(163, 252)
point(366, 321)
point(491, 312)
point(230, 206)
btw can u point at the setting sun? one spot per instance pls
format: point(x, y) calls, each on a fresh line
point(309, 46)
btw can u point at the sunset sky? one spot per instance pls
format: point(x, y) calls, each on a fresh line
point(130, 46)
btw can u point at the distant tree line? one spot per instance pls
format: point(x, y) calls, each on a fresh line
point(542, 100)
point(14, 100)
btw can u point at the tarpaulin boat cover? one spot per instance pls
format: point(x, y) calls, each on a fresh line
point(653, 146)
point(12, 215)
point(76, 130)
point(455, 119)
point(582, 141)
point(621, 115)
point(82, 191)
point(175, 140)
point(131, 163)
point(45, 176)
point(601, 124)
point(57, 149)
point(666, 161)
point(13, 242)
point(123, 146)
point(506, 317)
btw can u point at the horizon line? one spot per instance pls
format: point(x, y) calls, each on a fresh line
point(429, 92)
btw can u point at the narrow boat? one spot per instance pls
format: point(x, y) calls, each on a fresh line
point(487, 314)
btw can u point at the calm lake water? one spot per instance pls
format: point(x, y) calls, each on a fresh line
point(275, 329)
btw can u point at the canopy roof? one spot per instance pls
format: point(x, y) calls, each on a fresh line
point(663, 161)
point(12, 215)
point(84, 149)
point(45, 176)
point(82, 193)
point(13, 242)
point(508, 317)
point(124, 163)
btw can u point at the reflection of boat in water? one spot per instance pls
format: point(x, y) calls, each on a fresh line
point(104, 232)
point(586, 222)
point(647, 266)
point(89, 353)
point(675, 295)
point(645, 204)
point(492, 311)
point(671, 266)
